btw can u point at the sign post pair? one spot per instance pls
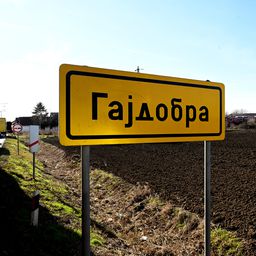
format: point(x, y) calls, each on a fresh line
point(102, 106)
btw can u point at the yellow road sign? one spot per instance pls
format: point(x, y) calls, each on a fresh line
point(101, 106)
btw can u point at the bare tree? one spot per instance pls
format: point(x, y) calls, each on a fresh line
point(239, 111)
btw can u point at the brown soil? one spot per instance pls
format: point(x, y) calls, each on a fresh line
point(131, 218)
point(175, 172)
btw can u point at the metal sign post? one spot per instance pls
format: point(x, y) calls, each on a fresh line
point(85, 154)
point(207, 198)
point(17, 128)
point(34, 165)
point(18, 144)
point(108, 107)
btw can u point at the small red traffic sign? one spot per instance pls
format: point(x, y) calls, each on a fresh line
point(17, 128)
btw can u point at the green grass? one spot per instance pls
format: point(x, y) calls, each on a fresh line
point(53, 193)
point(53, 197)
point(225, 243)
point(96, 240)
point(155, 201)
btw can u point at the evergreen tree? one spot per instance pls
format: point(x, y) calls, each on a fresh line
point(40, 113)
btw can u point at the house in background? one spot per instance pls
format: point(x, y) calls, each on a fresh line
point(247, 119)
point(26, 121)
point(49, 124)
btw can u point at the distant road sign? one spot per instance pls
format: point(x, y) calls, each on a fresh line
point(101, 106)
point(13, 123)
point(17, 128)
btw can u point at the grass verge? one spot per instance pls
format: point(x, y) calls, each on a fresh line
point(225, 243)
point(59, 230)
point(59, 220)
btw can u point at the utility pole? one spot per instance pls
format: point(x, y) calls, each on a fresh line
point(138, 69)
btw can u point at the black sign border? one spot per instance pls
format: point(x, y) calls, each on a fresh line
point(137, 79)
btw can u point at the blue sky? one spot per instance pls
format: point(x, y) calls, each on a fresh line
point(191, 39)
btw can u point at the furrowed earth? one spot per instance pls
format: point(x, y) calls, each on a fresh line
point(174, 171)
point(147, 199)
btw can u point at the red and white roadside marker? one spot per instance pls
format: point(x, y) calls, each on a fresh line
point(33, 143)
point(32, 146)
point(35, 208)
point(33, 138)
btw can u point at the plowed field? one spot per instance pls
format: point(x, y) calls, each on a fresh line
point(175, 171)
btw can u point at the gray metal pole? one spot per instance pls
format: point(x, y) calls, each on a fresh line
point(18, 144)
point(85, 153)
point(207, 198)
point(34, 164)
